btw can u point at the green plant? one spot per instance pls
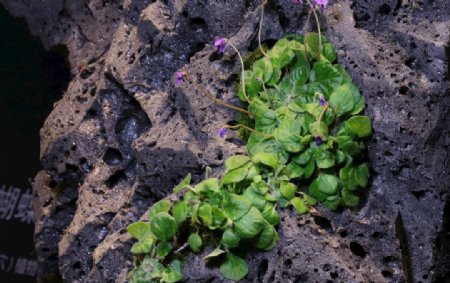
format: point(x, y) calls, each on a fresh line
point(305, 149)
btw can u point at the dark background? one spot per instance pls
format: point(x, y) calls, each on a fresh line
point(31, 81)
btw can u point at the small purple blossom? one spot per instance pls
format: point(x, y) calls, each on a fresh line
point(179, 77)
point(319, 140)
point(220, 44)
point(322, 101)
point(223, 132)
point(322, 3)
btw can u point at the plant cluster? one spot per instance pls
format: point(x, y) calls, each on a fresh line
point(305, 146)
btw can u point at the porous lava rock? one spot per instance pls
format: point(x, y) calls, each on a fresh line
point(124, 134)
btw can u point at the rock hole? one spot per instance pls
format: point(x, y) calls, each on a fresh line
point(357, 249)
point(288, 263)
point(112, 157)
point(326, 267)
point(418, 194)
point(386, 274)
point(323, 223)
point(262, 268)
point(116, 179)
point(334, 275)
point(85, 166)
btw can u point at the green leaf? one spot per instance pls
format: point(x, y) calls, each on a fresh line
point(195, 242)
point(362, 175)
point(163, 249)
point(341, 100)
point(215, 253)
point(160, 206)
point(332, 202)
point(347, 177)
point(218, 217)
point(236, 161)
point(281, 54)
point(252, 86)
point(324, 186)
point(266, 158)
point(236, 206)
point(303, 158)
point(328, 52)
point(230, 239)
point(325, 78)
point(312, 44)
point(351, 148)
point(299, 75)
point(257, 200)
point(144, 246)
point(163, 226)
point(299, 205)
point(270, 146)
point(359, 125)
point(209, 185)
point(250, 224)
point(328, 184)
point(180, 211)
point(263, 69)
point(138, 229)
point(205, 214)
point(236, 175)
point(271, 215)
point(288, 134)
point(324, 159)
point(318, 129)
point(293, 170)
point(288, 190)
point(265, 238)
point(309, 200)
point(349, 198)
point(309, 170)
point(186, 181)
point(173, 273)
point(234, 268)
point(275, 77)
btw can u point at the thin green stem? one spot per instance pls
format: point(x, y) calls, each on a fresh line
point(318, 25)
point(223, 103)
point(260, 28)
point(242, 73)
point(249, 129)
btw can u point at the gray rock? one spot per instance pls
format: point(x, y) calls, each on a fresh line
point(124, 134)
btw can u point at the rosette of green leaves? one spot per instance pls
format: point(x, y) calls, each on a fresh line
point(298, 95)
point(309, 132)
point(237, 207)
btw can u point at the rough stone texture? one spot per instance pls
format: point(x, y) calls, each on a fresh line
point(123, 134)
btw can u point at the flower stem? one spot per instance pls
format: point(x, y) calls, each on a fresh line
point(260, 28)
point(242, 73)
point(325, 108)
point(223, 103)
point(249, 129)
point(318, 25)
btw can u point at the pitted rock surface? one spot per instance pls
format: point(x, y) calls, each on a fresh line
point(124, 134)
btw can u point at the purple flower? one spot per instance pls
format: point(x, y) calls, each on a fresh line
point(220, 44)
point(223, 132)
point(179, 77)
point(318, 140)
point(322, 3)
point(322, 101)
